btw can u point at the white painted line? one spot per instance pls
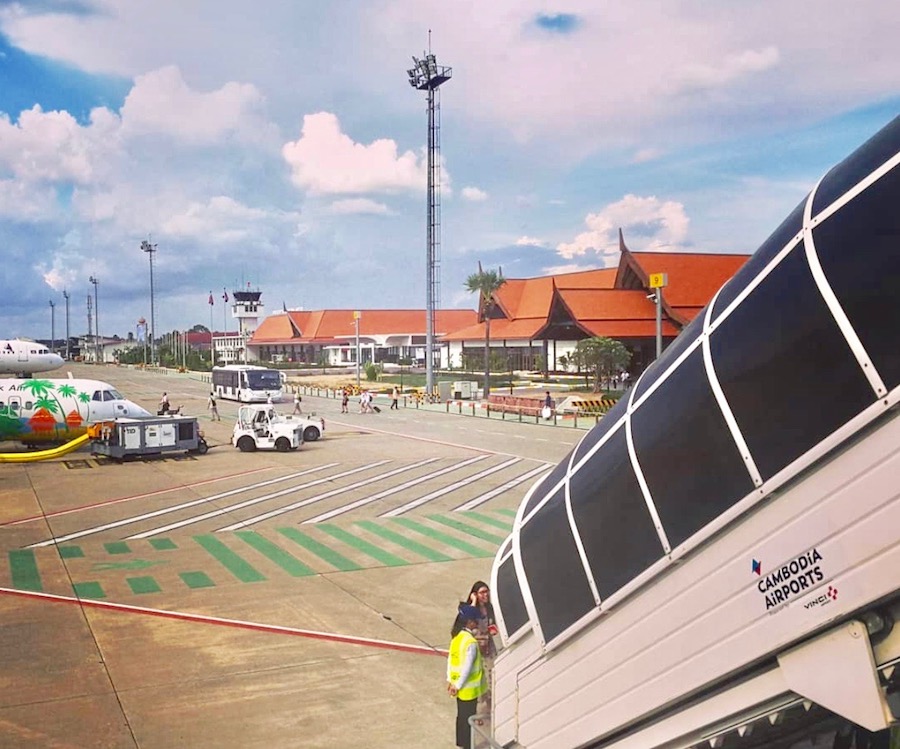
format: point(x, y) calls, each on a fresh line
point(392, 490)
point(175, 508)
point(254, 501)
point(320, 497)
point(511, 484)
point(132, 497)
point(446, 490)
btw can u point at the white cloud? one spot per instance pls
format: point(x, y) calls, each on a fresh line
point(21, 201)
point(529, 242)
point(162, 103)
point(473, 194)
point(52, 146)
point(556, 270)
point(643, 155)
point(221, 219)
point(731, 67)
point(647, 223)
point(325, 160)
point(360, 205)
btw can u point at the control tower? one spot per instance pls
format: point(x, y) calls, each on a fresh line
point(246, 308)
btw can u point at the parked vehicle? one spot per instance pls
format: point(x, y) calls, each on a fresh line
point(261, 427)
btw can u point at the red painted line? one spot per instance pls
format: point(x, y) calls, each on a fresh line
point(131, 497)
point(239, 624)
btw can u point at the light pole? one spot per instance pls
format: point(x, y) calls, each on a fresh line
point(657, 282)
point(356, 316)
point(52, 325)
point(427, 75)
point(150, 249)
point(99, 347)
point(66, 295)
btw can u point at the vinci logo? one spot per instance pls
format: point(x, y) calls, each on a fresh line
point(757, 567)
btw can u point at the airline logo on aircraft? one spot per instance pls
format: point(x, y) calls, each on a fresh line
point(793, 579)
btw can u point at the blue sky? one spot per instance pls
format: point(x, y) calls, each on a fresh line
point(285, 147)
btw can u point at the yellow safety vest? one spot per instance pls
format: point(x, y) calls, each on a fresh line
point(474, 686)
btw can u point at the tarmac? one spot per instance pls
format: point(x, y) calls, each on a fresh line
point(261, 599)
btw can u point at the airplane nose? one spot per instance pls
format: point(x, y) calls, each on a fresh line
point(135, 411)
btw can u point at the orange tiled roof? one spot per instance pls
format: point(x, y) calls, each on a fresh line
point(532, 297)
point(512, 330)
point(600, 278)
point(628, 328)
point(328, 325)
point(608, 304)
point(693, 277)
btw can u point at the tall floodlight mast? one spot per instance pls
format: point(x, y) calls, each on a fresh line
point(427, 75)
point(150, 249)
point(52, 326)
point(66, 296)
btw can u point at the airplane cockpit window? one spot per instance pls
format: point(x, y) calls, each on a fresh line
point(108, 395)
point(97, 396)
point(116, 395)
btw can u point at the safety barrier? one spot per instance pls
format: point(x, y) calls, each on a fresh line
point(593, 405)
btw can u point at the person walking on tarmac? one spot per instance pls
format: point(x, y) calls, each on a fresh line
point(164, 404)
point(297, 399)
point(213, 408)
point(465, 673)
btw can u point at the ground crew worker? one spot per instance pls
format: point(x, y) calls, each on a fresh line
point(297, 399)
point(465, 674)
point(213, 409)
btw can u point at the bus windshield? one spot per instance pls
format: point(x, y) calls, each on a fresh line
point(263, 379)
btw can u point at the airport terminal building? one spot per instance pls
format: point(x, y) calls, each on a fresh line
point(535, 323)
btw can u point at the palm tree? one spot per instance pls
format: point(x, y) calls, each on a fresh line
point(486, 284)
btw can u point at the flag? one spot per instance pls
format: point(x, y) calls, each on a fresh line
point(224, 295)
point(210, 299)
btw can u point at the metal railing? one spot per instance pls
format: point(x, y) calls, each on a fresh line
point(479, 727)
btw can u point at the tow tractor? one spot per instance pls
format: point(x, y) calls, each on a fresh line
point(261, 427)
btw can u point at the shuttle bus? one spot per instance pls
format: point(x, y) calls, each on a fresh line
point(246, 383)
point(717, 563)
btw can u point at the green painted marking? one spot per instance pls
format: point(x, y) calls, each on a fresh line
point(407, 543)
point(70, 552)
point(196, 580)
point(162, 544)
point(288, 562)
point(477, 532)
point(143, 585)
point(132, 564)
point(88, 590)
point(23, 566)
point(235, 564)
point(117, 547)
point(385, 557)
point(320, 550)
point(505, 511)
point(487, 519)
point(472, 551)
